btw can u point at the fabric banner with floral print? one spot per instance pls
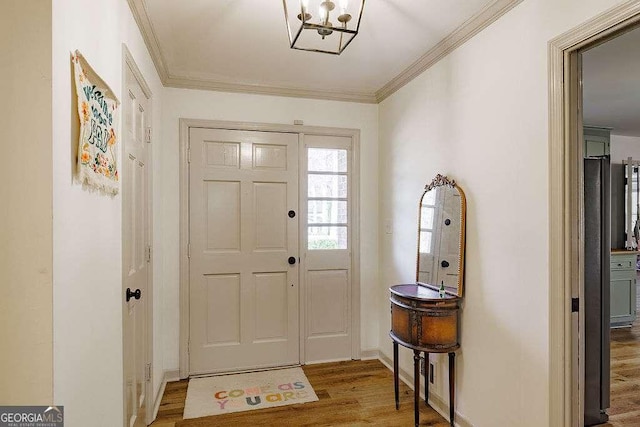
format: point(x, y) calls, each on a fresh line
point(97, 149)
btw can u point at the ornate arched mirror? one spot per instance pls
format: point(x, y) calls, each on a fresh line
point(441, 236)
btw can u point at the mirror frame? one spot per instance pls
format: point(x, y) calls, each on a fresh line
point(442, 181)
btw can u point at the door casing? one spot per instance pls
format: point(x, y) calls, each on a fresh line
point(566, 211)
point(354, 134)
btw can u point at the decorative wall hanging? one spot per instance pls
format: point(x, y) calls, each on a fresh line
point(97, 146)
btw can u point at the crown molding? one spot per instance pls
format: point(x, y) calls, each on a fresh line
point(464, 32)
point(190, 83)
point(472, 26)
point(139, 12)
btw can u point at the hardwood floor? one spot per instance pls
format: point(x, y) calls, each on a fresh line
point(625, 375)
point(361, 393)
point(354, 393)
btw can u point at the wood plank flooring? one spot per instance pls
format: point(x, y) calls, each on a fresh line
point(361, 393)
point(625, 375)
point(354, 393)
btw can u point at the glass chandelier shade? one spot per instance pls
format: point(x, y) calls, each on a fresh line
point(322, 25)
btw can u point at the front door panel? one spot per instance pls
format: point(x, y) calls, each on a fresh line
point(243, 290)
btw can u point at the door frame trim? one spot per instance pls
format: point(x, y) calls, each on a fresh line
point(185, 125)
point(566, 229)
point(129, 62)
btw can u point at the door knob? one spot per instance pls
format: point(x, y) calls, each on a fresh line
point(292, 214)
point(444, 264)
point(292, 260)
point(133, 294)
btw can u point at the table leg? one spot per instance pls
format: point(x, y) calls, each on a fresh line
point(395, 375)
point(426, 378)
point(416, 386)
point(452, 386)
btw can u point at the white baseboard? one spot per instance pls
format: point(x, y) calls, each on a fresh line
point(168, 376)
point(370, 354)
point(156, 404)
point(172, 375)
point(435, 402)
point(317, 362)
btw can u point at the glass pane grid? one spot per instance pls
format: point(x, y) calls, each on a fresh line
point(426, 218)
point(326, 160)
point(328, 173)
point(327, 186)
point(429, 198)
point(327, 198)
point(425, 242)
point(327, 237)
point(327, 212)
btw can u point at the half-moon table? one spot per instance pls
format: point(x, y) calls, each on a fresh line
point(424, 321)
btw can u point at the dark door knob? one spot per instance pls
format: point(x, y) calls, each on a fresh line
point(444, 264)
point(447, 221)
point(292, 260)
point(292, 214)
point(133, 294)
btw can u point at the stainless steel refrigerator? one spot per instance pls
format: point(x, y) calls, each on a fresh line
point(597, 252)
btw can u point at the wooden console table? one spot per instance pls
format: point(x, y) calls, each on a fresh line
point(424, 321)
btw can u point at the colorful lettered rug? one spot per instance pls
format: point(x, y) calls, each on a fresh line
point(224, 394)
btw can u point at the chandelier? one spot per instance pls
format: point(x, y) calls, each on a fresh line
point(323, 26)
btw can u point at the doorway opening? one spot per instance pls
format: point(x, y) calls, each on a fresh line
point(610, 86)
point(568, 309)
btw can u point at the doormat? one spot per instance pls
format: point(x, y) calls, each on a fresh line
point(224, 394)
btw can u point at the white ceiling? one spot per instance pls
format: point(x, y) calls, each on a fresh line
point(242, 45)
point(611, 84)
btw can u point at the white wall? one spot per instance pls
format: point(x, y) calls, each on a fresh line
point(623, 147)
point(87, 240)
point(194, 104)
point(26, 305)
point(480, 116)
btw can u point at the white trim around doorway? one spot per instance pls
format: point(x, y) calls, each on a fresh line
point(565, 230)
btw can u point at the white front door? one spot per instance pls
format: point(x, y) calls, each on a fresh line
point(135, 248)
point(243, 231)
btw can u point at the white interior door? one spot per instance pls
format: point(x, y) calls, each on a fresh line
point(328, 248)
point(243, 289)
point(135, 248)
